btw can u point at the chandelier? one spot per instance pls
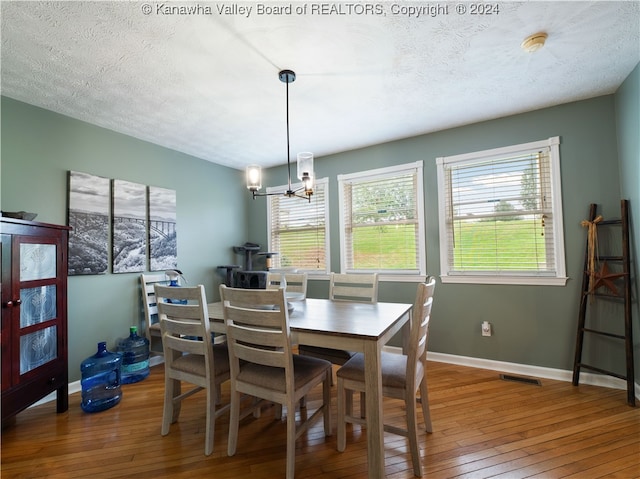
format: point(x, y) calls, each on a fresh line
point(305, 161)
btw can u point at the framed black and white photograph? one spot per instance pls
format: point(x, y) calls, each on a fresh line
point(88, 216)
point(163, 241)
point(129, 227)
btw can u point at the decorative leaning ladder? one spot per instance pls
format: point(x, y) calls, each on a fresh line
point(593, 283)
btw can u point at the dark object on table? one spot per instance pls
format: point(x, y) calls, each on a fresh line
point(20, 215)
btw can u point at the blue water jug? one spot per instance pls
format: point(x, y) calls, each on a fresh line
point(101, 379)
point(135, 357)
point(173, 275)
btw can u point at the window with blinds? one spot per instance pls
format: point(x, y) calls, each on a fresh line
point(297, 229)
point(501, 215)
point(382, 220)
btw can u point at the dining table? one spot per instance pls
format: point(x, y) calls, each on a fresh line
point(352, 326)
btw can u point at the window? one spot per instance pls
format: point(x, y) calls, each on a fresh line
point(501, 216)
point(382, 221)
point(298, 230)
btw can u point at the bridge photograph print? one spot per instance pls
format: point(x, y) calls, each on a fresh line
point(163, 243)
point(129, 227)
point(88, 215)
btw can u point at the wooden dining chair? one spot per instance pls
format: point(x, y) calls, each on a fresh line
point(295, 282)
point(263, 365)
point(361, 288)
point(148, 295)
point(402, 376)
point(190, 356)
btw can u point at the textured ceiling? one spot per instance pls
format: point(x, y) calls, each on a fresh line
point(207, 83)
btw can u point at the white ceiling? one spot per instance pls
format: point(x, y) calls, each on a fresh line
point(207, 84)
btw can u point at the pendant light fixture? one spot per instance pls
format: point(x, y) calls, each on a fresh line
point(305, 161)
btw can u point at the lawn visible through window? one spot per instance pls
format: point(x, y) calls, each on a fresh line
point(508, 245)
point(384, 247)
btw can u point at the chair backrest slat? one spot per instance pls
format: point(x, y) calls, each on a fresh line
point(185, 344)
point(274, 358)
point(191, 312)
point(246, 315)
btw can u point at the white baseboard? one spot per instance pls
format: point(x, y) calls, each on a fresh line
point(156, 359)
point(502, 366)
point(526, 370)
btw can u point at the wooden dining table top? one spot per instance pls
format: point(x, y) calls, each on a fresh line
point(347, 319)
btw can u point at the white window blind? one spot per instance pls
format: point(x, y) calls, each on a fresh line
point(382, 220)
point(501, 212)
point(298, 229)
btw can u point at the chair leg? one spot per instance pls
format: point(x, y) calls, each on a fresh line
point(342, 411)
point(326, 403)
point(177, 403)
point(234, 420)
point(412, 432)
point(291, 440)
point(211, 421)
point(424, 399)
point(171, 408)
point(348, 401)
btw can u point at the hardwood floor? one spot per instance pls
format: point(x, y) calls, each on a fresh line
point(483, 427)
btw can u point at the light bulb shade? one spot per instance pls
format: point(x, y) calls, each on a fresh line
point(254, 177)
point(305, 169)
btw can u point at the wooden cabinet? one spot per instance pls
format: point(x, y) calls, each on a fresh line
point(34, 314)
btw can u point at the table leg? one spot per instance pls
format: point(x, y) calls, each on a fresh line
point(406, 334)
point(375, 425)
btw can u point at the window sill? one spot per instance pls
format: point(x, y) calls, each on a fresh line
point(515, 280)
point(391, 278)
point(402, 278)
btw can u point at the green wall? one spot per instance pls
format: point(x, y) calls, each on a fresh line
point(39, 147)
point(628, 127)
point(533, 325)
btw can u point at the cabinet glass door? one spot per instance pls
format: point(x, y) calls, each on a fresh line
point(38, 305)
point(38, 348)
point(37, 261)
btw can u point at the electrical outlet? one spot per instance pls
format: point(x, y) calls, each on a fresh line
point(486, 328)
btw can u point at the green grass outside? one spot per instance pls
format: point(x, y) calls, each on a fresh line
point(385, 247)
point(520, 242)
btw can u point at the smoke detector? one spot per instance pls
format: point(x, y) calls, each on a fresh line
point(534, 42)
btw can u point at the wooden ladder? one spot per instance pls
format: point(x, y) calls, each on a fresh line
point(593, 290)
